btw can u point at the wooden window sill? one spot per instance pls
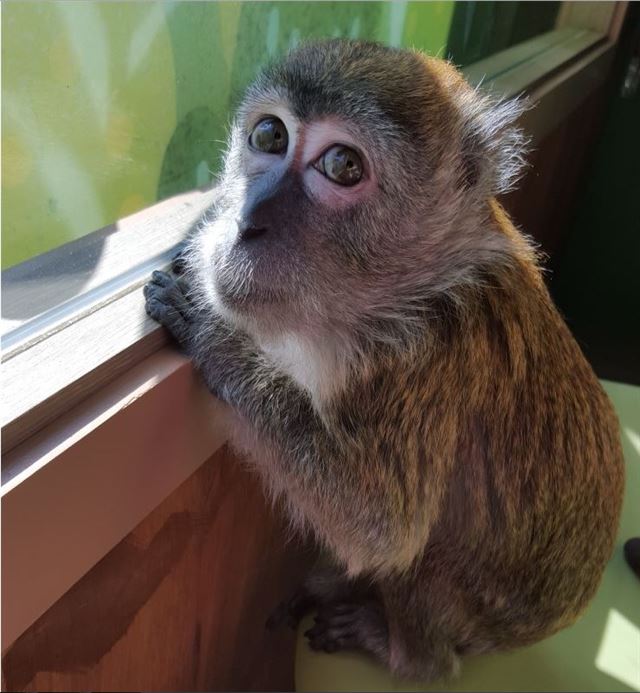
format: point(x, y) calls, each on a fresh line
point(76, 488)
point(77, 316)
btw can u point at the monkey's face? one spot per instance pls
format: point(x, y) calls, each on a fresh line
point(331, 186)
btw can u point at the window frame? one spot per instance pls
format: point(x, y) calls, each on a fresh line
point(57, 482)
point(86, 355)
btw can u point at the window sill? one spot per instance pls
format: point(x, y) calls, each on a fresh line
point(74, 341)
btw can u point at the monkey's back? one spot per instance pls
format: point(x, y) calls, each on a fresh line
point(531, 474)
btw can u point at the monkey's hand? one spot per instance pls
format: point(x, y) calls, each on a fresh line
point(221, 353)
point(167, 301)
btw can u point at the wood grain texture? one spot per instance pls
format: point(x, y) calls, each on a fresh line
point(76, 489)
point(179, 604)
point(49, 289)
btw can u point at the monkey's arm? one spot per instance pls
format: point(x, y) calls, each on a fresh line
point(232, 368)
point(350, 501)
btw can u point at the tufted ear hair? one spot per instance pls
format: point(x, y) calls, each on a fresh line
point(493, 148)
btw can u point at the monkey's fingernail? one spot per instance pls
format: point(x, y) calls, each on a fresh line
point(161, 278)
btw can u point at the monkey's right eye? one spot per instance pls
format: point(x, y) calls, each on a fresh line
point(269, 136)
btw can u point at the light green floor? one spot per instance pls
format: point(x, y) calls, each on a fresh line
point(600, 653)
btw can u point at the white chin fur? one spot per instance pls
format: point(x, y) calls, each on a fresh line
point(318, 366)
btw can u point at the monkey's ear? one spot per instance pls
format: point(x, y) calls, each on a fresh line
point(493, 148)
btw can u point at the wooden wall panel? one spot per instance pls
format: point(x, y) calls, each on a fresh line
point(545, 198)
point(179, 604)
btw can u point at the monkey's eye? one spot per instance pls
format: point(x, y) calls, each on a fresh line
point(269, 136)
point(341, 164)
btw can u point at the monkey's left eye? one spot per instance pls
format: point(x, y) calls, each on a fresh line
point(269, 136)
point(341, 164)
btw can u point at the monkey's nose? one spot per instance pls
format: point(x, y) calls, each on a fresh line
point(249, 231)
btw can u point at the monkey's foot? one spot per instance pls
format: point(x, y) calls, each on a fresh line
point(290, 611)
point(167, 302)
point(350, 626)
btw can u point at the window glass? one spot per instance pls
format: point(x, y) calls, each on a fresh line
point(109, 107)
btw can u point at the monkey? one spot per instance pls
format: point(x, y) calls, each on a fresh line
point(395, 368)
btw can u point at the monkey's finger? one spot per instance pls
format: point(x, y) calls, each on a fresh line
point(331, 642)
point(315, 631)
point(345, 643)
point(162, 278)
point(298, 606)
point(169, 294)
point(162, 312)
point(318, 630)
point(179, 263)
point(185, 289)
point(166, 281)
point(337, 613)
point(169, 317)
point(329, 646)
point(320, 642)
point(337, 626)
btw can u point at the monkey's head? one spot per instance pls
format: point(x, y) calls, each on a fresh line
point(356, 183)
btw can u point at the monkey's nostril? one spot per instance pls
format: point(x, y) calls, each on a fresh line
point(249, 232)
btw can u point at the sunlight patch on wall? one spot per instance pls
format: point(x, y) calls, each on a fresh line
point(398, 11)
point(619, 653)
point(634, 439)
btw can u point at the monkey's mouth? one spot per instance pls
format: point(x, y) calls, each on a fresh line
point(242, 291)
point(247, 279)
point(251, 298)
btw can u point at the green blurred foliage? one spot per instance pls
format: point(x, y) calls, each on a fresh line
point(108, 107)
